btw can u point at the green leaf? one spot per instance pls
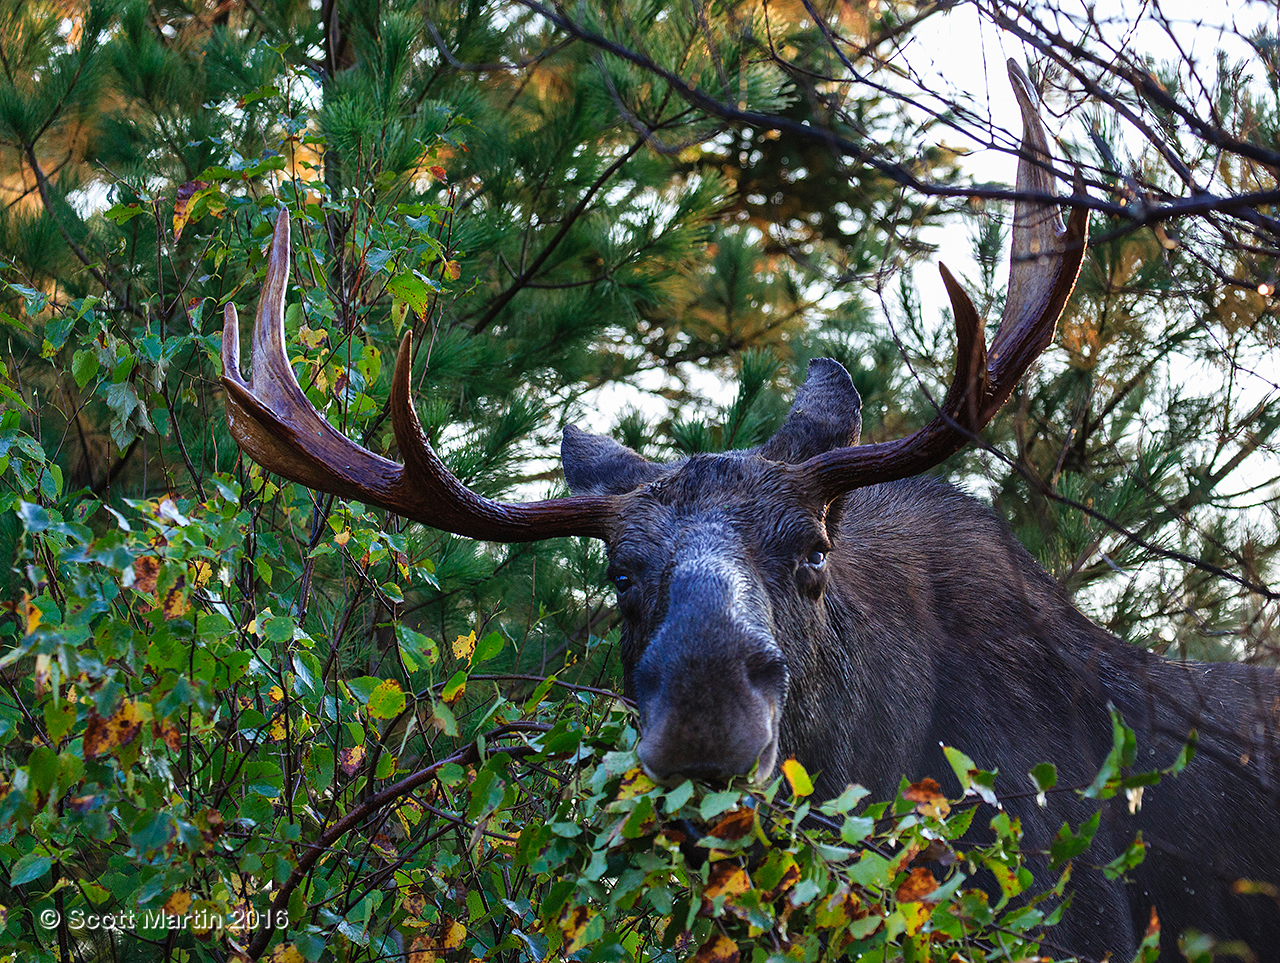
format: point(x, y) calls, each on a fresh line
point(1123, 749)
point(1044, 777)
point(84, 367)
point(1068, 845)
point(413, 288)
point(713, 804)
point(416, 650)
point(386, 701)
point(488, 647)
point(123, 213)
point(1130, 858)
point(30, 867)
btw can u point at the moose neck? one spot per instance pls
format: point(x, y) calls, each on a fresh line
point(926, 585)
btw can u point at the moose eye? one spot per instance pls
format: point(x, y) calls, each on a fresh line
point(817, 558)
point(621, 582)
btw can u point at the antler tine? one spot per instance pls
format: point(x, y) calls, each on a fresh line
point(1045, 262)
point(275, 424)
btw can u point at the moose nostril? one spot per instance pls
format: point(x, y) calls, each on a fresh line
point(767, 672)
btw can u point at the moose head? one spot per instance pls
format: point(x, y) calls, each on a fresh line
point(721, 562)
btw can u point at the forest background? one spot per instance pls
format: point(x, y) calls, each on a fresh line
point(316, 732)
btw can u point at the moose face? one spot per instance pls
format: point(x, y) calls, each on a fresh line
point(720, 565)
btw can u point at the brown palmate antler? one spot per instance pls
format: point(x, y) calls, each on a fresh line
point(1045, 262)
point(275, 424)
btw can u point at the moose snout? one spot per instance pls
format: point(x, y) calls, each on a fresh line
point(711, 721)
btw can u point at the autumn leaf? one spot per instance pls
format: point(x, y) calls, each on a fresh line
point(414, 903)
point(286, 953)
point(175, 603)
point(103, 736)
point(206, 914)
point(350, 760)
point(841, 908)
point(31, 612)
point(201, 571)
point(178, 903)
point(916, 886)
point(726, 879)
point(420, 952)
point(464, 645)
point(635, 783)
point(777, 876)
point(735, 825)
point(718, 949)
point(455, 688)
point(797, 778)
point(445, 934)
point(928, 797)
point(573, 921)
point(915, 915)
point(167, 733)
point(182, 205)
point(438, 173)
point(312, 337)
point(387, 700)
point(145, 570)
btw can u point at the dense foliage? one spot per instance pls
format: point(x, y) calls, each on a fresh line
point(242, 720)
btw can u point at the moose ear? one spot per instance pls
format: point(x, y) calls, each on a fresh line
point(598, 465)
point(827, 414)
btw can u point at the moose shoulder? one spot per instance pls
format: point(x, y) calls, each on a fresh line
point(761, 622)
point(810, 598)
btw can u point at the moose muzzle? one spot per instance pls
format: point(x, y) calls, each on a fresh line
point(711, 683)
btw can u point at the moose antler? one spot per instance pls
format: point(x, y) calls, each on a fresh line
point(1045, 262)
point(275, 424)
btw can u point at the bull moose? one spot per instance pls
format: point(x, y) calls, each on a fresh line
point(813, 598)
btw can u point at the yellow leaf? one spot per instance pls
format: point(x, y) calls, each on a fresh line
point(797, 778)
point(275, 694)
point(201, 571)
point(286, 953)
point(454, 689)
point(102, 736)
point(311, 337)
point(420, 951)
point(454, 935)
point(44, 669)
point(342, 538)
point(915, 915)
point(635, 783)
point(464, 646)
point(175, 603)
point(718, 949)
point(916, 886)
point(928, 797)
point(572, 922)
point(178, 903)
point(32, 613)
point(350, 760)
point(182, 205)
point(727, 879)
